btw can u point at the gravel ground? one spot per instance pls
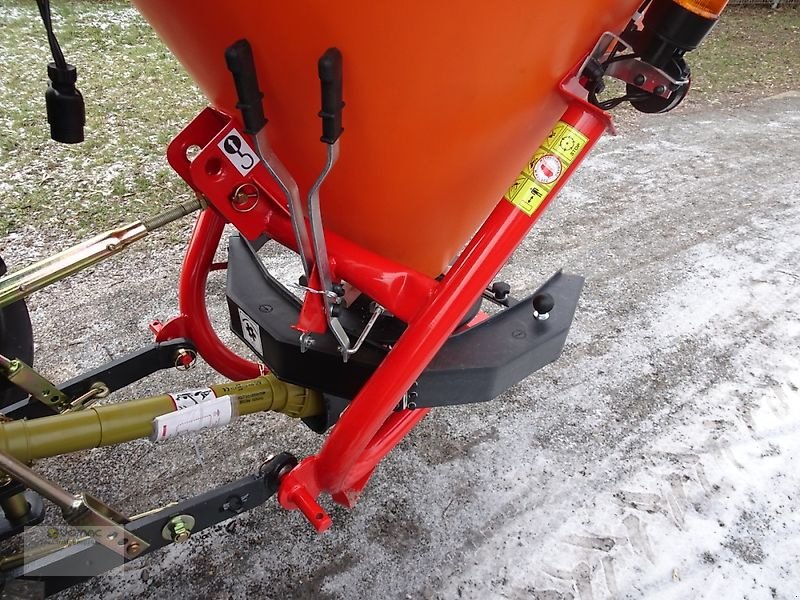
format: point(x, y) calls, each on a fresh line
point(656, 458)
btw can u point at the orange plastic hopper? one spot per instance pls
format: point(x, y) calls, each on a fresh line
point(445, 101)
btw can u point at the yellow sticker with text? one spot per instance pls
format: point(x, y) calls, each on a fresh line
point(546, 167)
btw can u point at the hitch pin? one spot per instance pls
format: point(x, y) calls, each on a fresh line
point(239, 58)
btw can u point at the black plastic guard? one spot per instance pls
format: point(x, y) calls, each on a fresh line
point(475, 365)
point(485, 360)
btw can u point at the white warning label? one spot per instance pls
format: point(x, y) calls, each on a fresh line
point(212, 413)
point(251, 333)
point(189, 398)
point(238, 151)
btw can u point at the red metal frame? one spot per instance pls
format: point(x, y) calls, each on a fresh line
point(193, 322)
point(370, 427)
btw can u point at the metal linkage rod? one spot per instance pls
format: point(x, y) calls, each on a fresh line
point(22, 283)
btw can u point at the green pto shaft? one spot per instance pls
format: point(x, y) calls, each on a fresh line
point(117, 423)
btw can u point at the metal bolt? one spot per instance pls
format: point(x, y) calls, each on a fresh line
point(265, 308)
point(639, 79)
point(134, 549)
point(660, 90)
point(178, 528)
point(179, 531)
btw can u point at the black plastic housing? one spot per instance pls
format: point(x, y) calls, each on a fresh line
point(474, 365)
point(66, 112)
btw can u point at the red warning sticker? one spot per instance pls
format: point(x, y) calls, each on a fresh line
point(547, 169)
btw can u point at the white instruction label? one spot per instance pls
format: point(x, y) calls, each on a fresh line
point(212, 413)
point(188, 398)
point(251, 333)
point(238, 151)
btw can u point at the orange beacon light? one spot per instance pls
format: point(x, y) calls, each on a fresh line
point(709, 9)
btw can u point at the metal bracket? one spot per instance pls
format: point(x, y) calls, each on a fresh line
point(96, 520)
point(28, 379)
point(110, 376)
point(75, 563)
point(630, 69)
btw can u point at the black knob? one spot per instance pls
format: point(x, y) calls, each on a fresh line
point(542, 304)
point(500, 290)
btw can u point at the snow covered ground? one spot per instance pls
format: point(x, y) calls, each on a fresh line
point(658, 458)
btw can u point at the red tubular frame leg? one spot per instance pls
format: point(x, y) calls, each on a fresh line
point(192, 300)
point(348, 455)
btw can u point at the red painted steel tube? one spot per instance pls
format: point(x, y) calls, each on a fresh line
point(192, 299)
point(476, 266)
point(391, 432)
point(300, 492)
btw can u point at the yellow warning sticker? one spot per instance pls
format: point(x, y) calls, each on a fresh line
point(546, 167)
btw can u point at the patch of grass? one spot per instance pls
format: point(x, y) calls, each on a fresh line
point(753, 52)
point(137, 97)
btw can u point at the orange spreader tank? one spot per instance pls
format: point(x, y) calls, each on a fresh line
point(445, 100)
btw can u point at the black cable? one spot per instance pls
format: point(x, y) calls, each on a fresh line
point(55, 48)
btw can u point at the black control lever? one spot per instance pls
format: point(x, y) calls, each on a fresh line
point(239, 58)
point(330, 77)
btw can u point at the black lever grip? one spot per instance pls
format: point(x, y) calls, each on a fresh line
point(239, 58)
point(330, 77)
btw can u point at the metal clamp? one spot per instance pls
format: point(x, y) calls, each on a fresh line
point(630, 69)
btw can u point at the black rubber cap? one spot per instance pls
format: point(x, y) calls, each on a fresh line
point(543, 303)
point(500, 290)
point(59, 76)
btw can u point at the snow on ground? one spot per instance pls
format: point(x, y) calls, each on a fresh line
point(656, 459)
point(707, 508)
